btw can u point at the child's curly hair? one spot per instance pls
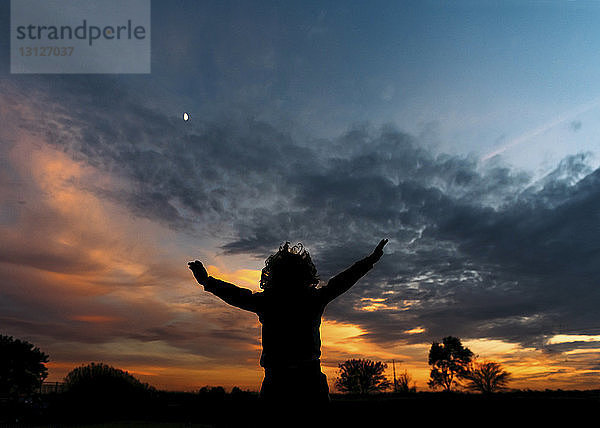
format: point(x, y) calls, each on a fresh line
point(292, 262)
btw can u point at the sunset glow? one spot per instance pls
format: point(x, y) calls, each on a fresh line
point(121, 280)
point(334, 126)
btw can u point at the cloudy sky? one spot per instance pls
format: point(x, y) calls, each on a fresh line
point(467, 133)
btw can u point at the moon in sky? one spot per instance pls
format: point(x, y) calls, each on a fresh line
point(186, 117)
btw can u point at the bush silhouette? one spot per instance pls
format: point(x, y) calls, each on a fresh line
point(213, 393)
point(105, 390)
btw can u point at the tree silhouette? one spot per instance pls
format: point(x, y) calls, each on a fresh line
point(403, 381)
point(449, 362)
point(22, 367)
point(360, 376)
point(487, 377)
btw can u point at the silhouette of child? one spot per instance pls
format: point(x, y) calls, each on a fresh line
point(290, 309)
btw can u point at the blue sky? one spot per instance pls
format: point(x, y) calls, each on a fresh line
point(465, 132)
point(473, 75)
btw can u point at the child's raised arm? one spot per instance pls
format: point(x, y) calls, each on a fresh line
point(340, 283)
point(229, 293)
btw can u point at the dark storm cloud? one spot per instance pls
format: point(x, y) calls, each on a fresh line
point(177, 176)
point(478, 251)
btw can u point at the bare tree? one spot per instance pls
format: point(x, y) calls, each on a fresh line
point(403, 381)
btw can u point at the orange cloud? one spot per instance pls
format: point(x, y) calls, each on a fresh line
point(75, 257)
point(370, 304)
point(416, 330)
point(95, 318)
point(248, 278)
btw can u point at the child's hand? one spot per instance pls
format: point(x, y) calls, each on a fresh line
point(199, 272)
point(378, 251)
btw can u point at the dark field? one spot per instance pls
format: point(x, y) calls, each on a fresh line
point(171, 410)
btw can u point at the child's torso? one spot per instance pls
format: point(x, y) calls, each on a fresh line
point(290, 328)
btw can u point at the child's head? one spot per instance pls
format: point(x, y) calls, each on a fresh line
point(289, 267)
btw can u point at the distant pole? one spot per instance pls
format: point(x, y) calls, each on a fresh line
point(394, 370)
